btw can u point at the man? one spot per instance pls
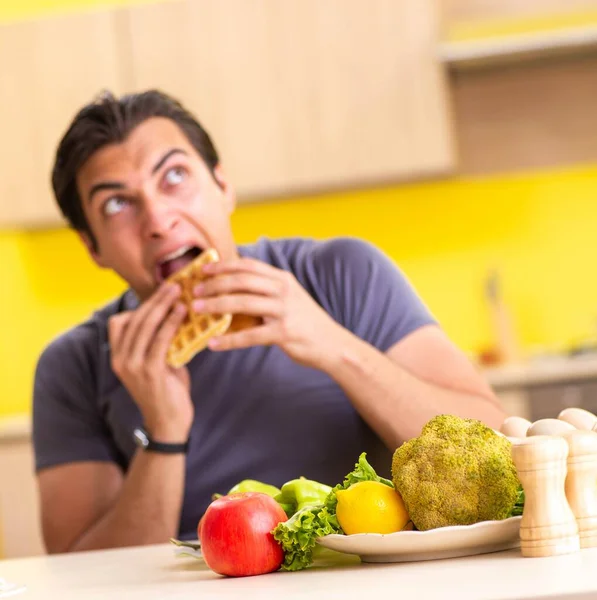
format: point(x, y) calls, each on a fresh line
point(346, 358)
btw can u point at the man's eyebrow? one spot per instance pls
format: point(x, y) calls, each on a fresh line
point(116, 185)
point(104, 185)
point(166, 157)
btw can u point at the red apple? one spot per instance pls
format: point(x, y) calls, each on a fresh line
point(236, 538)
point(199, 527)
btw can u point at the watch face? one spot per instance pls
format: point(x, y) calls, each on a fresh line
point(141, 438)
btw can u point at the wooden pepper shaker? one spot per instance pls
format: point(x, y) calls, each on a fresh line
point(579, 417)
point(549, 427)
point(581, 483)
point(515, 427)
point(548, 526)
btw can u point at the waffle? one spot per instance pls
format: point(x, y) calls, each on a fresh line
point(240, 322)
point(196, 329)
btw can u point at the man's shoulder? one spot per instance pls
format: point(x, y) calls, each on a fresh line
point(83, 341)
point(276, 251)
point(296, 251)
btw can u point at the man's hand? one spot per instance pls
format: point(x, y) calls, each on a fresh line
point(139, 342)
point(292, 320)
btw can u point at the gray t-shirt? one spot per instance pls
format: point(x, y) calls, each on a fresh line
point(258, 414)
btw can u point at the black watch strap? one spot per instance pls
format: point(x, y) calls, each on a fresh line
point(144, 441)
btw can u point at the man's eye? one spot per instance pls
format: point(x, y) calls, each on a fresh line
point(175, 175)
point(114, 205)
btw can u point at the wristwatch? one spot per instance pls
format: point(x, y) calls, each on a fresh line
point(144, 441)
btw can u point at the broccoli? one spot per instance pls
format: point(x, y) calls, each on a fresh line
point(457, 472)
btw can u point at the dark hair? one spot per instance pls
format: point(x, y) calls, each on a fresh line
point(109, 120)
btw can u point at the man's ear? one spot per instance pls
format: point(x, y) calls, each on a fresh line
point(226, 187)
point(92, 249)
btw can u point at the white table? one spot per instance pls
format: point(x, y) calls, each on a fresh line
point(153, 572)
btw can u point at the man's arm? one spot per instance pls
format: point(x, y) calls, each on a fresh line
point(396, 392)
point(420, 377)
point(91, 505)
point(88, 504)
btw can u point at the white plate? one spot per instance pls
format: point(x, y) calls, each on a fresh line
point(445, 542)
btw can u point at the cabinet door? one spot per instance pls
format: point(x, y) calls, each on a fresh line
point(20, 526)
point(48, 69)
point(303, 95)
point(466, 11)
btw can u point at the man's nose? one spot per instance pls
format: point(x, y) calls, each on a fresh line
point(159, 217)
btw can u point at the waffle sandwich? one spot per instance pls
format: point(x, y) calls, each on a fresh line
point(197, 328)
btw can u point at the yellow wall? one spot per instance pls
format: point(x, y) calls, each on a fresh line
point(540, 23)
point(538, 229)
point(23, 9)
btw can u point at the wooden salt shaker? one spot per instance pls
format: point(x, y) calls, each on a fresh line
point(548, 526)
point(549, 427)
point(581, 484)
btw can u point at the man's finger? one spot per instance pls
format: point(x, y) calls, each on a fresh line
point(163, 338)
point(153, 310)
point(246, 304)
point(117, 326)
point(264, 335)
point(238, 282)
point(239, 265)
point(149, 327)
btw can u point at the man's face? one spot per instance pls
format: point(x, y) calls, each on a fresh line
point(153, 205)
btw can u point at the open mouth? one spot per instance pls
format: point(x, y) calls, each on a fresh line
point(176, 260)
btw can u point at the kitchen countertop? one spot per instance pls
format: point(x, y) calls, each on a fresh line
point(153, 572)
point(542, 372)
point(15, 427)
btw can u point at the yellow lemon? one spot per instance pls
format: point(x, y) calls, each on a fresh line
point(370, 507)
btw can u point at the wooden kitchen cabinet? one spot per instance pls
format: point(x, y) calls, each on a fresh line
point(303, 95)
point(299, 95)
point(48, 69)
point(20, 519)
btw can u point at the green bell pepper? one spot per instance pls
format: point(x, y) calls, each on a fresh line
point(299, 493)
point(251, 485)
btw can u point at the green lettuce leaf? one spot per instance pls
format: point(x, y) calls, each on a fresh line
point(518, 505)
point(298, 536)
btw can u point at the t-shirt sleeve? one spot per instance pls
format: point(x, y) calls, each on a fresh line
point(367, 293)
point(67, 424)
